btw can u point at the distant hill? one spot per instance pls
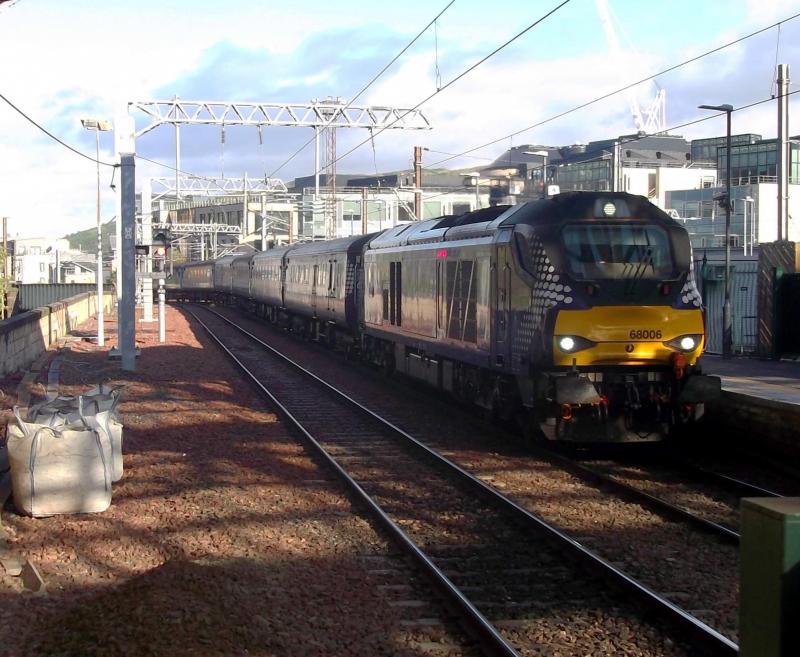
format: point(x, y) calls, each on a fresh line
point(86, 240)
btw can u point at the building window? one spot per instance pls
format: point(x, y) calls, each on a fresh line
point(41, 267)
point(431, 209)
point(351, 211)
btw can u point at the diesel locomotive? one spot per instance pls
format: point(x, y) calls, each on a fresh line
point(577, 316)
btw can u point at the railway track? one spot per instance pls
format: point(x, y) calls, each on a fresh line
point(500, 565)
point(609, 478)
point(672, 486)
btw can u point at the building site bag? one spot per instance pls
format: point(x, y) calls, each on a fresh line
point(57, 470)
point(65, 410)
point(93, 402)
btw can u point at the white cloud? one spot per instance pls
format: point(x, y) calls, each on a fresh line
point(69, 64)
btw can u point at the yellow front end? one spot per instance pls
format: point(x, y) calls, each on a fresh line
point(627, 335)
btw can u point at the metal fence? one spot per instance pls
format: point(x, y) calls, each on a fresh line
point(744, 304)
point(36, 295)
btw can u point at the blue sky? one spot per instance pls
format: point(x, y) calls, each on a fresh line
point(65, 60)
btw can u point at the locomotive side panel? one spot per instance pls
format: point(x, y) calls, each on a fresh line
point(431, 294)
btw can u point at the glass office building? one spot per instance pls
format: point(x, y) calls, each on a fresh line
point(703, 217)
point(758, 162)
point(705, 150)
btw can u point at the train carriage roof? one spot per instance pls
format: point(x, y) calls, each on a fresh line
point(276, 252)
point(351, 245)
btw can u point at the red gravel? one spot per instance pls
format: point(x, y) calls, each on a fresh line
point(223, 538)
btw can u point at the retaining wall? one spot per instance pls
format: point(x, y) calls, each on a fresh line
point(768, 426)
point(24, 337)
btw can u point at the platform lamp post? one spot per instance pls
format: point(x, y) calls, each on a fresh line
point(98, 126)
point(727, 321)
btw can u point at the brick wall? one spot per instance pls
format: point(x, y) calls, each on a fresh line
point(24, 337)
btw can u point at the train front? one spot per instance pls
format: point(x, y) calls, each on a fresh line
point(622, 326)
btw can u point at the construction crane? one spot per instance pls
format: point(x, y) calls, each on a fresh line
point(653, 118)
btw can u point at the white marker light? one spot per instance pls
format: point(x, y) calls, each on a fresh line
point(688, 343)
point(566, 343)
point(609, 209)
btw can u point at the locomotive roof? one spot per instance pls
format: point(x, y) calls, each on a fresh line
point(587, 206)
point(551, 212)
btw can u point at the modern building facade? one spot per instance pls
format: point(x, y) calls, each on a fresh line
point(638, 164)
point(754, 216)
point(757, 161)
point(705, 150)
point(754, 194)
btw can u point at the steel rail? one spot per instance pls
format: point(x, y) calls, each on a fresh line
point(656, 504)
point(698, 632)
point(744, 488)
point(475, 620)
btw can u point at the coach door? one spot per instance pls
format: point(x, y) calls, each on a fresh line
point(331, 285)
point(501, 272)
point(314, 275)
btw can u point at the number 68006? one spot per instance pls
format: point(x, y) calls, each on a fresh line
point(645, 334)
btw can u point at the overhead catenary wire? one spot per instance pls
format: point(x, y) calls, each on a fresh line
point(459, 76)
point(366, 86)
point(634, 138)
point(188, 174)
point(631, 139)
point(53, 137)
point(618, 91)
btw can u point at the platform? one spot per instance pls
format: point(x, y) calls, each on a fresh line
point(760, 405)
point(776, 381)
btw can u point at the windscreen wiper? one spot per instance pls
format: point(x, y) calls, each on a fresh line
point(639, 270)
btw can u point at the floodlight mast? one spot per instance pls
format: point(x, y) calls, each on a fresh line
point(98, 126)
point(727, 319)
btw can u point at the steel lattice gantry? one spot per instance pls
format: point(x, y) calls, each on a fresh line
point(208, 186)
point(319, 114)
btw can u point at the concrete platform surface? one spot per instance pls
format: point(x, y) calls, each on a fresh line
point(778, 381)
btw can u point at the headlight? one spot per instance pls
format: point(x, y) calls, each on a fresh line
point(685, 342)
point(571, 343)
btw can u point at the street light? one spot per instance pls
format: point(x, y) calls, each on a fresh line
point(727, 335)
point(98, 126)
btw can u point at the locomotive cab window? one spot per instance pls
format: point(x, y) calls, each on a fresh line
point(617, 251)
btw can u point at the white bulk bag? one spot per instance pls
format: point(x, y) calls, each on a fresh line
point(68, 406)
point(73, 410)
point(107, 424)
point(57, 470)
